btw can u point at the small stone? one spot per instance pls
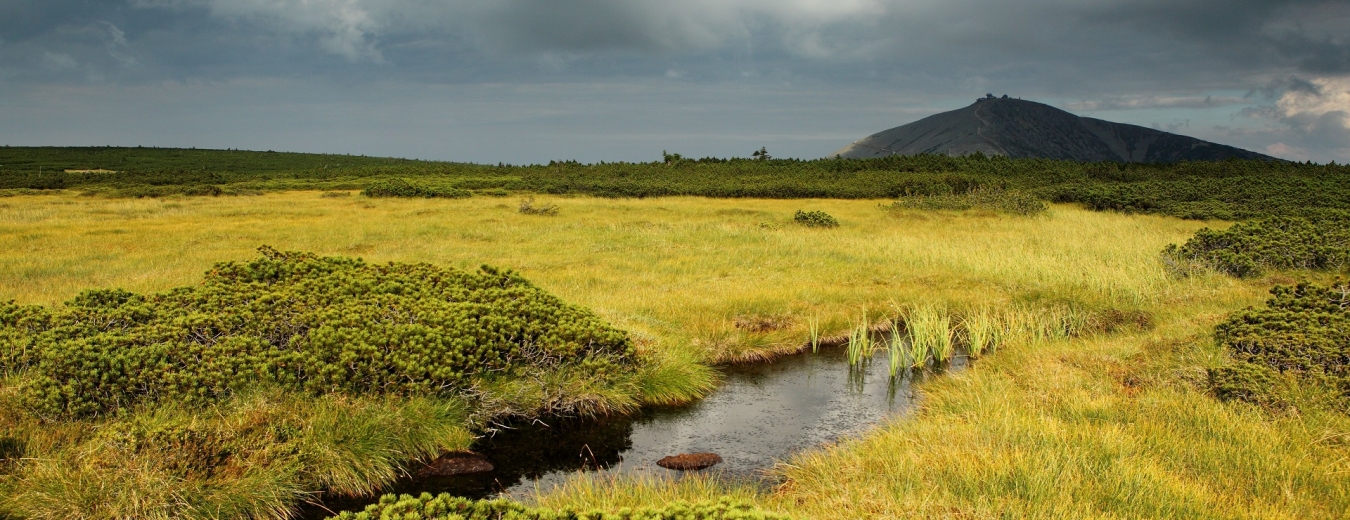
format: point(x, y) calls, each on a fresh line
point(689, 461)
point(456, 463)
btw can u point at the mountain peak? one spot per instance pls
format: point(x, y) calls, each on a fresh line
point(1019, 128)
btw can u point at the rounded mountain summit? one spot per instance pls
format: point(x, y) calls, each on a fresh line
point(1017, 128)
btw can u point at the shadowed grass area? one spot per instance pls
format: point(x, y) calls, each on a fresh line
point(253, 455)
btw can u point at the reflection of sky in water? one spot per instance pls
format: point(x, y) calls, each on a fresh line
point(761, 415)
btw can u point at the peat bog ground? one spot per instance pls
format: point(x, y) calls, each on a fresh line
point(1097, 403)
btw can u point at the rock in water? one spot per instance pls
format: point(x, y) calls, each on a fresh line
point(1017, 128)
point(689, 461)
point(456, 463)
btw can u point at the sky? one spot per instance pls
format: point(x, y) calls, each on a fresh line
point(529, 81)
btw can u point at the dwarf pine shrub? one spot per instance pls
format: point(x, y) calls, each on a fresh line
point(1249, 248)
point(1303, 333)
point(401, 188)
point(993, 199)
point(299, 321)
point(815, 219)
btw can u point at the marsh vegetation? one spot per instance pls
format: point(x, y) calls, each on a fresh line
point(1122, 353)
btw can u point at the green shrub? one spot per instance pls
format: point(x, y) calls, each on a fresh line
point(815, 219)
point(1303, 333)
point(446, 507)
point(1249, 248)
point(401, 188)
point(1258, 384)
point(994, 199)
point(299, 321)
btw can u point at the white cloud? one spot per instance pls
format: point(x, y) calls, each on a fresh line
point(1327, 97)
point(1319, 112)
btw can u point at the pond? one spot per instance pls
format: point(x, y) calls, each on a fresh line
point(761, 415)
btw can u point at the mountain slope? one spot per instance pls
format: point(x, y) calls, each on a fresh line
point(1017, 128)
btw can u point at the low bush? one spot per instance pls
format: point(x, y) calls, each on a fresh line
point(402, 188)
point(527, 207)
point(446, 507)
point(1249, 248)
point(819, 219)
point(1303, 334)
point(993, 199)
point(302, 322)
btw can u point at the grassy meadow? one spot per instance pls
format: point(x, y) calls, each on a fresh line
point(678, 272)
point(1109, 423)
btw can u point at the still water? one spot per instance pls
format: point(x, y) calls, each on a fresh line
point(762, 414)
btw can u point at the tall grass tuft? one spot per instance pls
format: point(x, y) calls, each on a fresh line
point(930, 334)
point(896, 346)
point(984, 331)
point(860, 343)
point(814, 325)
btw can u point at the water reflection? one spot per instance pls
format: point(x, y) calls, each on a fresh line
point(762, 414)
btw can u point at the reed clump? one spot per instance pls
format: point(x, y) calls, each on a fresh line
point(860, 342)
point(896, 347)
point(984, 331)
point(929, 334)
point(813, 327)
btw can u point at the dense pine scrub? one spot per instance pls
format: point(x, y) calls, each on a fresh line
point(991, 199)
point(446, 507)
point(1300, 339)
point(1248, 249)
point(285, 376)
point(1228, 190)
point(402, 188)
point(317, 325)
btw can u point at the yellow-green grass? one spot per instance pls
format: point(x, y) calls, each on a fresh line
point(677, 272)
point(1115, 427)
point(1109, 426)
point(1098, 427)
point(257, 455)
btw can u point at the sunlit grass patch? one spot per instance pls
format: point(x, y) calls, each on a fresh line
point(680, 270)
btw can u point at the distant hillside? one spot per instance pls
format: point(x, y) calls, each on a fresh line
point(1026, 129)
point(94, 159)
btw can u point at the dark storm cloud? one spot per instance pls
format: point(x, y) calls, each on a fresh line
point(1106, 55)
point(844, 39)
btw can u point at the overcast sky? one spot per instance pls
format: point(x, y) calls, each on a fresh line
point(523, 81)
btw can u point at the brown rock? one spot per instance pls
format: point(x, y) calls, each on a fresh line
point(689, 461)
point(455, 463)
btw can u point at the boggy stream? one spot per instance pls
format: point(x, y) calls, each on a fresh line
point(762, 414)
